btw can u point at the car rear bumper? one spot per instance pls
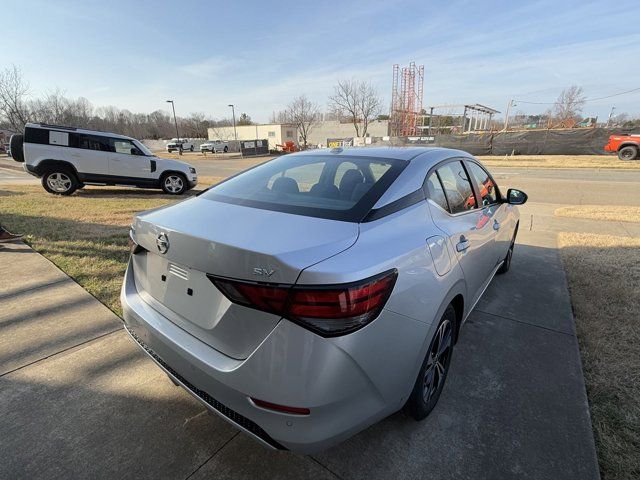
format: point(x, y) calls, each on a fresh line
point(609, 148)
point(339, 379)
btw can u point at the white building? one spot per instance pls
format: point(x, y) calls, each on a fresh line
point(276, 134)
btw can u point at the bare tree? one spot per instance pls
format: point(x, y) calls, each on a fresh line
point(303, 113)
point(281, 116)
point(370, 104)
point(569, 104)
point(196, 125)
point(13, 92)
point(219, 131)
point(358, 101)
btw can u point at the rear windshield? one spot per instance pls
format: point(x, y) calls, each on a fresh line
point(327, 186)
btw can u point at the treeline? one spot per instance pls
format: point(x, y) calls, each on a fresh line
point(18, 106)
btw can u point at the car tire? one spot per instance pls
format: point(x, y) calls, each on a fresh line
point(506, 263)
point(174, 183)
point(60, 181)
point(628, 153)
point(16, 147)
point(434, 370)
point(226, 149)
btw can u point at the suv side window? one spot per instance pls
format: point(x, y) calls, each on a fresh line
point(123, 146)
point(486, 187)
point(457, 187)
point(93, 142)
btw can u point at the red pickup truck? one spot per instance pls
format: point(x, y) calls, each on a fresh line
point(627, 146)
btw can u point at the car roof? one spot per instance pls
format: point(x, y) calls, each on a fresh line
point(422, 154)
point(47, 126)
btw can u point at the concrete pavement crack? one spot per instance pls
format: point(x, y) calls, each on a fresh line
point(524, 323)
point(61, 351)
point(325, 467)
point(212, 455)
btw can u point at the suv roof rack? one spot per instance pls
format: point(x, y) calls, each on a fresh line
point(56, 126)
point(63, 127)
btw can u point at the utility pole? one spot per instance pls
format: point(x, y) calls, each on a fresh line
point(235, 133)
point(176, 123)
point(506, 119)
point(610, 115)
point(233, 112)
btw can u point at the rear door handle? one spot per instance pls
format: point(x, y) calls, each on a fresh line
point(496, 225)
point(463, 244)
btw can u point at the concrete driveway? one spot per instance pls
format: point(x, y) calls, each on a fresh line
point(78, 399)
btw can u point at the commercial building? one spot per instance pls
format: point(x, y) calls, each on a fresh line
point(334, 129)
point(276, 134)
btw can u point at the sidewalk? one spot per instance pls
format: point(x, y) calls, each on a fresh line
point(78, 400)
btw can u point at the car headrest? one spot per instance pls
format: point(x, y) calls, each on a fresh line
point(359, 191)
point(285, 185)
point(349, 180)
point(325, 190)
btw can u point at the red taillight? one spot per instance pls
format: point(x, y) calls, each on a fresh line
point(280, 408)
point(327, 310)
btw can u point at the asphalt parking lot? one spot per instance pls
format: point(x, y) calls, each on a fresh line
point(77, 399)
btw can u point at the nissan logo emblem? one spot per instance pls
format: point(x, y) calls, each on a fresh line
point(162, 242)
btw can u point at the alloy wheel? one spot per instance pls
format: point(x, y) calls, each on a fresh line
point(627, 154)
point(437, 362)
point(173, 184)
point(59, 182)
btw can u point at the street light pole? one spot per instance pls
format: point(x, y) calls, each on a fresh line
point(233, 112)
point(174, 118)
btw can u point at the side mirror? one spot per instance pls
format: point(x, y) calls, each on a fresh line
point(516, 197)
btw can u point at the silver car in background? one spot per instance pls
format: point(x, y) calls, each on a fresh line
point(311, 296)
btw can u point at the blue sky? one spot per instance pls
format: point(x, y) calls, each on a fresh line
point(259, 54)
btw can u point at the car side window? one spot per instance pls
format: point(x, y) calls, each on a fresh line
point(486, 187)
point(436, 192)
point(124, 146)
point(457, 187)
point(93, 142)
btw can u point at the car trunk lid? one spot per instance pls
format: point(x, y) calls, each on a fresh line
point(203, 237)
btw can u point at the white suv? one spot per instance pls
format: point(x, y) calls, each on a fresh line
point(68, 158)
point(179, 144)
point(215, 146)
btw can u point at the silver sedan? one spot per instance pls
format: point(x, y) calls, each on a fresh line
point(309, 297)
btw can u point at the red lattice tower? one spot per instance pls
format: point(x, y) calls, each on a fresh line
point(406, 99)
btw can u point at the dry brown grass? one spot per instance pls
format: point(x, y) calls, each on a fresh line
point(84, 234)
point(612, 213)
point(559, 161)
point(604, 279)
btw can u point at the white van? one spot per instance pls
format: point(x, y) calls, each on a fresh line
point(68, 158)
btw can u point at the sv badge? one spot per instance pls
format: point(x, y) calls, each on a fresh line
point(263, 271)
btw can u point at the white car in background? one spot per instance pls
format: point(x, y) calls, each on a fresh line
point(215, 146)
point(177, 144)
